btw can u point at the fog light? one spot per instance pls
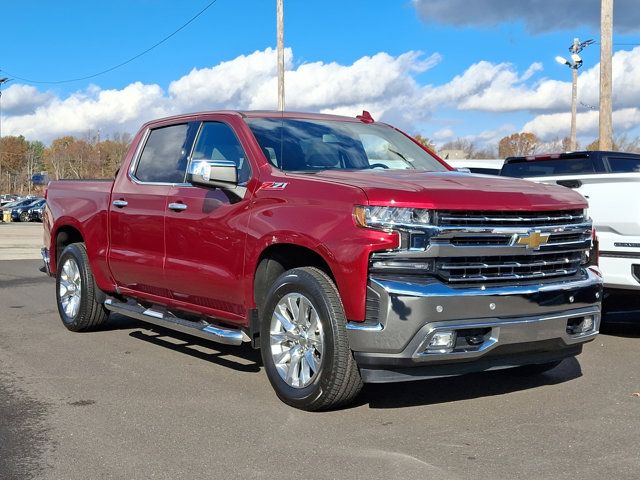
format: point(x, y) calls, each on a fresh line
point(581, 325)
point(442, 341)
point(587, 324)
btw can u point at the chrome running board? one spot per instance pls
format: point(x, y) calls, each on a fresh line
point(165, 319)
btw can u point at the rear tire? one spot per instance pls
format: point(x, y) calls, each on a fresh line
point(304, 343)
point(80, 302)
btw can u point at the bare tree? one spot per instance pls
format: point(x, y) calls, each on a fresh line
point(518, 144)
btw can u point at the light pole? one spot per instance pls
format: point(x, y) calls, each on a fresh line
point(574, 64)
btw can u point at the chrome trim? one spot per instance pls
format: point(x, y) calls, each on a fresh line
point(203, 329)
point(364, 327)
point(120, 203)
point(440, 289)
point(177, 207)
point(44, 253)
point(487, 219)
point(521, 330)
point(406, 306)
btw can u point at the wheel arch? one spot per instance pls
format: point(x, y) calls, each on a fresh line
point(280, 257)
point(63, 236)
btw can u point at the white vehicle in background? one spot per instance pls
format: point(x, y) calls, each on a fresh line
point(610, 181)
point(485, 166)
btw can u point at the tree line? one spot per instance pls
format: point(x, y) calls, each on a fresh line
point(523, 144)
point(70, 157)
point(66, 157)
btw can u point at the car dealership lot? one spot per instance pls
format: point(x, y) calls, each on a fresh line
point(132, 401)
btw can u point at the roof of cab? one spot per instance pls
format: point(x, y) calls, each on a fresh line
point(257, 114)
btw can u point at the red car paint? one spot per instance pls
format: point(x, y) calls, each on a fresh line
point(204, 259)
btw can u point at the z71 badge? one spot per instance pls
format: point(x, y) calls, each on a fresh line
point(274, 186)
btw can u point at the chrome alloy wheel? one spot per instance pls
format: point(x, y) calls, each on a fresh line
point(70, 289)
point(296, 340)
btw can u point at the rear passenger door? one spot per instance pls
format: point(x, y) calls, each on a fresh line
point(139, 203)
point(206, 231)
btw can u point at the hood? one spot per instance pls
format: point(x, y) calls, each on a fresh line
point(455, 190)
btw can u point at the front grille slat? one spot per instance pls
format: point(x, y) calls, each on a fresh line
point(508, 268)
point(452, 218)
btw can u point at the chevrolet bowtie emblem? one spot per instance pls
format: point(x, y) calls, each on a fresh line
point(532, 240)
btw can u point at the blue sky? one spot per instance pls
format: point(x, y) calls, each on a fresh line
point(512, 50)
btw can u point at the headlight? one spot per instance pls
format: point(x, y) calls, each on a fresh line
point(389, 218)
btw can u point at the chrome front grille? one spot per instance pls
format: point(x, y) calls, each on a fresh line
point(492, 247)
point(505, 268)
point(453, 218)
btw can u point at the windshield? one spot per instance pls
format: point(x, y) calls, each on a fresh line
point(311, 145)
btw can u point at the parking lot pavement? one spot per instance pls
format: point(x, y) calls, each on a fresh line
point(137, 402)
point(20, 241)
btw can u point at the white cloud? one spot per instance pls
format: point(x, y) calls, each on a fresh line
point(21, 99)
point(490, 87)
point(381, 83)
point(537, 15)
point(94, 109)
point(443, 135)
point(556, 125)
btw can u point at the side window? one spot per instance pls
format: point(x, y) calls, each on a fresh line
point(624, 164)
point(164, 156)
point(218, 142)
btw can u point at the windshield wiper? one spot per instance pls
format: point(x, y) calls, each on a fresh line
point(404, 159)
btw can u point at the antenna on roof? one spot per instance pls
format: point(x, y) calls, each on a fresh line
point(365, 117)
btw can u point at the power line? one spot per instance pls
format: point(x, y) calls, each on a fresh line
point(110, 69)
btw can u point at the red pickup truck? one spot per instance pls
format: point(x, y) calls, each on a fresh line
point(339, 246)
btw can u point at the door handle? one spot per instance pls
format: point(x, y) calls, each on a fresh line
point(177, 207)
point(120, 203)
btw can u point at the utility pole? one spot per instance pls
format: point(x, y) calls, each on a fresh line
point(280, 34)
point(605, 135)
point(2, 82)
point(574, 64)
point(573, 143)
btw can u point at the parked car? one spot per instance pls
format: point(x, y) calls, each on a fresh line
point(340, 247)
point(34, 214)
point(8, 207)
point(20, 212)
point(7, 198)
point(610, 181)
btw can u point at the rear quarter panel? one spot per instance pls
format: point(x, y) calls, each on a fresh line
point(82, 205)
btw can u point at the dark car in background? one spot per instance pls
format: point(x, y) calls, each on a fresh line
point(34, 214)
point(16, 203)
point(20, 212)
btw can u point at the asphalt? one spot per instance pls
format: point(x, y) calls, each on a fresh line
point(136, 402)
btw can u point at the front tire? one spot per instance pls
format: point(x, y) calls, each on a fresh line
point(80, 302)
point(24, 217)
point(304, 343)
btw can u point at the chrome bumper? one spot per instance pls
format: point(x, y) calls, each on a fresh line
point(521, 319)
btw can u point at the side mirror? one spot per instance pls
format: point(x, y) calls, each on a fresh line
point(213, 173)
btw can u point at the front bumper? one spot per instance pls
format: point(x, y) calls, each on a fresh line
point(510, 326)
